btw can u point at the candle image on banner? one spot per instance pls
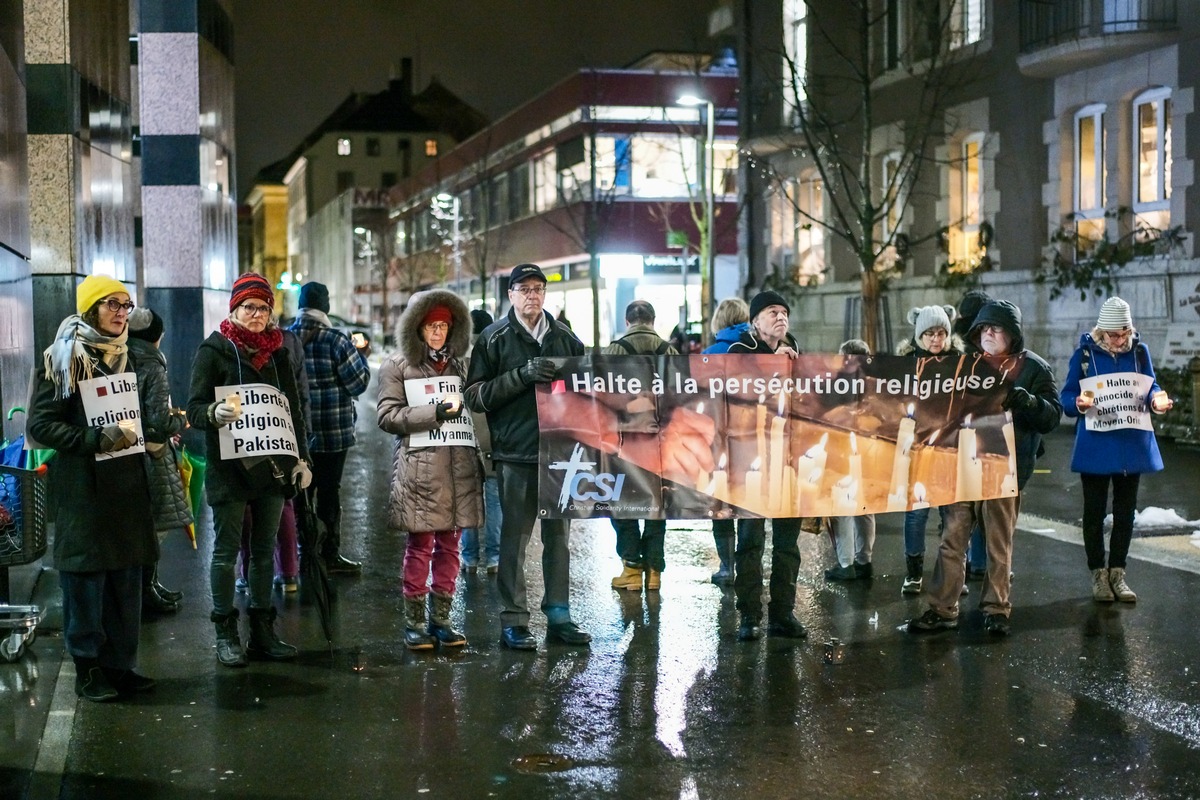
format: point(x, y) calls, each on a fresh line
point(702, 476)
point(760, 426)
point(898, 496)
point(752, 492)
point(719, 486)
point(114, 400)
point(970, 468)
point(1009, 485)
point(775, 497)
point(265, 426)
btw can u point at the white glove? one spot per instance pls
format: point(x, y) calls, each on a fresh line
point(301, 475)
point(225, 413)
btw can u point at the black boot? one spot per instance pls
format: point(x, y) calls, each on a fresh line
point(439, 621)
point(229, 645)
point(91, 683)
point(914, 569)
point(264, 643)
point(725, 546)
point(167, 594)
point(152, 599)
point(416, 629)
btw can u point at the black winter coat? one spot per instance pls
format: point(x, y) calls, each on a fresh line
point(171, 508)
point(494, 386)
point(103, 517)
point(218, 363)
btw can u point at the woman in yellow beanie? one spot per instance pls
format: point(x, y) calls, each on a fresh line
point(105, 534)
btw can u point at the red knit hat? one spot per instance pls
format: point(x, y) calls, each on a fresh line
point(251, 286)
point(438, 314)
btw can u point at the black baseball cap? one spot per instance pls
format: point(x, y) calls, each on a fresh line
point(522, 271)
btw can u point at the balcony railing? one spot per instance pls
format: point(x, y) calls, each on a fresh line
point(1045, 23)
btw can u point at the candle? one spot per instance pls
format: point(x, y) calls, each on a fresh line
point(855, 465)
point(790, 494)
point(718, 487)
point(753, 491)
point(807, 489)
point(775, 465)
point(970, 469)
point(760, 415)
point(1009, 485)
point(919, 498)
point(702, 476)
point(813, 459)
point(905, 434)
point(845, 497)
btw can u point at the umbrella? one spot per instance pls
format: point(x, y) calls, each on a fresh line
point(195, 483)
point(186, 470)
point(315, 588)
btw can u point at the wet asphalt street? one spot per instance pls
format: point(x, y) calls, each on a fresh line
point(1082, 700)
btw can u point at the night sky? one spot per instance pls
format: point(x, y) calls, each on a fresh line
point(297, 59)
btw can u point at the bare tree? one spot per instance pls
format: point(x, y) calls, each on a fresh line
point(834, 107)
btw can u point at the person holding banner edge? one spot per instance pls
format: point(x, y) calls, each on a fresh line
point(1036, 410)
point(768, 334)
point(247, 354)
point(104, 523)
point(1117, 455)
point(510, 356)
point(437, 480)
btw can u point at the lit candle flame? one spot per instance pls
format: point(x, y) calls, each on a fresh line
point(911, 408)
point(756, 465)
point(853, 444)
point(967, 421)
point(781, 402)
point(918, 492)
point(721, 463)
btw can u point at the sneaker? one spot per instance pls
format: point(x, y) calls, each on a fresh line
point(911, 585)
point(996, 624)
point(287, 585)
point(841, 573)
point(932, 621)
point(1120, 589)
point(241, 586)
point(1101, 588)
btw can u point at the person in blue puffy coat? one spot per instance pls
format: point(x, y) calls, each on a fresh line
point(1118, 456)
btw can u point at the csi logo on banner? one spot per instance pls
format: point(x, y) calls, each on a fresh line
point(583, 485)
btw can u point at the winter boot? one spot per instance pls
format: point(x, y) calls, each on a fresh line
point(725, 548)
point(439, 621)
point(167, 594)
point(91, 683)
point(416, 629)
point(1120, 589)
point(630, 577)
point(1101, 589)
point(914, 571)
point(264, 643)
point(152, 598)
point(229, 646)
point(653, 580)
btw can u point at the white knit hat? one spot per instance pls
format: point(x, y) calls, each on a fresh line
point(925, 318)
point(1114, 315)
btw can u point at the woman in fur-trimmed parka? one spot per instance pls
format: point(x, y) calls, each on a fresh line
point(437, 485)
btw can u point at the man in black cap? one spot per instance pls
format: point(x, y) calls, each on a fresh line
point(768, 335)
point(337, 373)
point(510, 356)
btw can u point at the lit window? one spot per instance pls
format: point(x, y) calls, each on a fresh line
point(343, 147)
point(431, 148)
point(966, 22)
point(1090, 174)
point(964, 236)
point(797, 233)
point(1152, 151)
point(795, 54)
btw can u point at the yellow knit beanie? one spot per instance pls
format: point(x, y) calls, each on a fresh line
point(95, 288)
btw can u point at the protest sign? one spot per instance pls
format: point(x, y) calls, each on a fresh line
point(1119, 401)
point(431, 391)
point(114, 400)
point(730, 436)
point(264, 427)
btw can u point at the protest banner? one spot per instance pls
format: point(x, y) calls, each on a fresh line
point(1119, 401)
point(264, 427)
point(431, 391)
point(732, 436)
point(114, 400)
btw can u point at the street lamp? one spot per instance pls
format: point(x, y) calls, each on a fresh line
point(440, 203)
point(707, 174)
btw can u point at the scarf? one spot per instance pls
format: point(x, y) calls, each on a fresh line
point(75, 351)
point(316, 316)
point(259, 346)
point(439, 358)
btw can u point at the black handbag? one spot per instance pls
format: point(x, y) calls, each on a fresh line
point(268, 475)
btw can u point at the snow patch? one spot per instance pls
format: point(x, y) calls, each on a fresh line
point(1155, 517)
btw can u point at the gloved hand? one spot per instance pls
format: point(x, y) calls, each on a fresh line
point(114, 438)
point(225, 413)
point(1018, 399)
point(301, 475)
point(447, 411)
point(538, 370)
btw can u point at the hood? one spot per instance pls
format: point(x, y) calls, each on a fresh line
point(144, 351)
point(1004, 314)
point(732, 333)
point(412, 346)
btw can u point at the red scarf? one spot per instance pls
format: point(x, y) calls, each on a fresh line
point(259, 346)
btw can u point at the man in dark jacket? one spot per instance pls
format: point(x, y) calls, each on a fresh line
point(1036, 410)
point(640, 543)
point(509, 357)
point(768, 335)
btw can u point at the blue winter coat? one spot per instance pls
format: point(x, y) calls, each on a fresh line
point(1122, 451)
point(727, 336)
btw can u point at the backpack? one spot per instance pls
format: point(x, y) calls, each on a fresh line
point(661, 350)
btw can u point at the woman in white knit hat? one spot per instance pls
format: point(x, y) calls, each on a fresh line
point(932, 336)
point(1116, 456)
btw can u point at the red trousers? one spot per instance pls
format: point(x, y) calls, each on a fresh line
point(438, 547)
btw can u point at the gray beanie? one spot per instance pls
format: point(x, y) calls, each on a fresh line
point(925, 318)
point(1114, 315)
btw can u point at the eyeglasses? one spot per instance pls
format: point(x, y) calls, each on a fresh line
point(530, 291)
point(934, 334)
point(437, 327)
point(255, 311)
point(116, 306)
point(1125, 334)
point(992, 329)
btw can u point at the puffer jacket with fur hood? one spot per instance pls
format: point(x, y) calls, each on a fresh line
point(440, 487)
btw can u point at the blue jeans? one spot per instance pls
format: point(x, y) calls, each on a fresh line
point(914, 529)
point(488, 551)
point(102, 615)
point(640, 542)
point(977, 550)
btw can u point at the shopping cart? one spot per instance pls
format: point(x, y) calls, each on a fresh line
point(22, 541)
